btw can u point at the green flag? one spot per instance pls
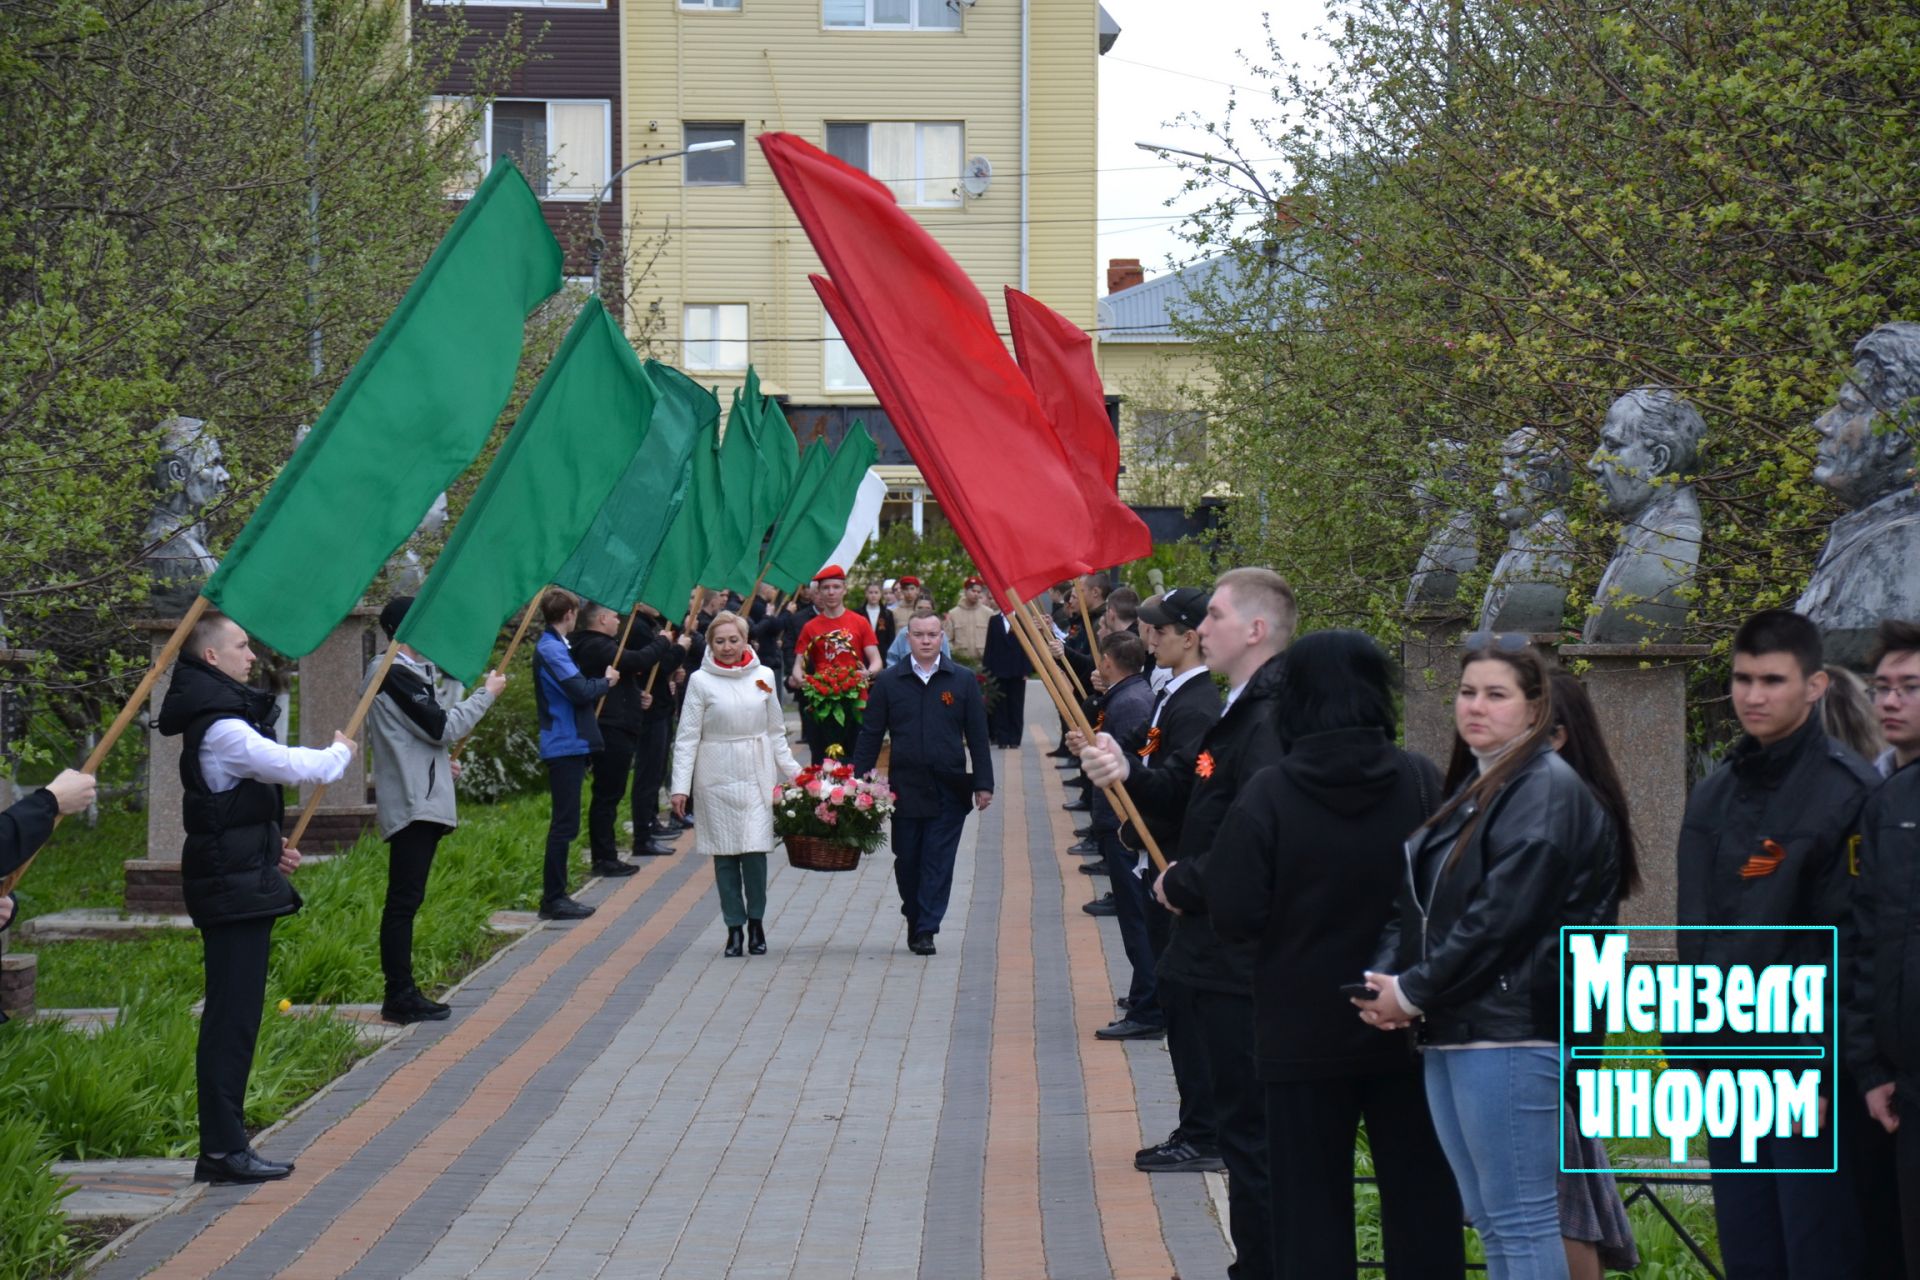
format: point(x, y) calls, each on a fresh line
point(614, 557)
point(773, 490)
point(813, 469)
point(683, 552)
point(580, 429)
point(814, 528)
point(408, 419)
point(740, 482)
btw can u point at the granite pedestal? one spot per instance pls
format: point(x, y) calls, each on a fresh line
point(153, 881)
point(1639, 693)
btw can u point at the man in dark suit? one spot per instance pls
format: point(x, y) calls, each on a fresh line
point(1007, 663)
point(933, 709)
point(596, 646)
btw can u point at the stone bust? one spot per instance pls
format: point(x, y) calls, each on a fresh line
point(1870, 567)
point(1649, 445)
point(188, 479)
point(1453, 549)
point(1528, 592)
point(406, 571)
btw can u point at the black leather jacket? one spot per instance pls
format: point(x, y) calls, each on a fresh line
point(1883, 1017)
point(1477, 947)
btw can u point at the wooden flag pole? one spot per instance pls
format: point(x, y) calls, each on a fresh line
point(1086, 620)
point(95, 758)
point(1040, 635)
point(354, 722)
point(533, 607)
point(617, 651)
point(1076, 716)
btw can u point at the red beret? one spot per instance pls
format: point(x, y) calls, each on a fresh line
point(909, 581)
point(974, 581)
point(831, 571)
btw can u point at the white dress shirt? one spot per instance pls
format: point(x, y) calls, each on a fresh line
point(234, 750)
point(926, 674)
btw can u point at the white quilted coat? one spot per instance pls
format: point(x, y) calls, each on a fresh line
point(729, 753)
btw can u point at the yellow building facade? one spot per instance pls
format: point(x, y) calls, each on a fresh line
point(981, 114)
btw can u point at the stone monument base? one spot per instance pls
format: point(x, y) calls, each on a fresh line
point(334, 828)
point(153, 887)
point(17, 975)
point(1639, 693)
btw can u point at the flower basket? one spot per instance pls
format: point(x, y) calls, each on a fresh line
point(828, 818)
point(811, 853)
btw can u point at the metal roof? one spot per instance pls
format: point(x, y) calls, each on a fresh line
point(1145, 312)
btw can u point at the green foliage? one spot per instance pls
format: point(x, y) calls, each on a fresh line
point(1502, 215)
point(1188, 562)
point(937, 559)
point(34, 1240)
point(502, 756)
point(155, 235)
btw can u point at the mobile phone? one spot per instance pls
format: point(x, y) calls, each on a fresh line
point(1358, 991)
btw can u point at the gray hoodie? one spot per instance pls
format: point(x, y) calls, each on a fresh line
point(408, 733)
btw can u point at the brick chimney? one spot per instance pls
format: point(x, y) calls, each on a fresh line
point(1124, 273)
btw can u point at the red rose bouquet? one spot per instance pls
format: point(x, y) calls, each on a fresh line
point(836, 692)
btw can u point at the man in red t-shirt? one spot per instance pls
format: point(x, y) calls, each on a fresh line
point(834, 637)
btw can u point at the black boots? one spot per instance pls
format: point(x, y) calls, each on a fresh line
point(733, 941)
point(756, 939)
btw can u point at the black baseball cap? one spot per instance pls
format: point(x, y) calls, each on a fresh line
point(394, 613)
point(1180, 607)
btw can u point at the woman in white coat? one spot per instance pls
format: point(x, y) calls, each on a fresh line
point(730, 753)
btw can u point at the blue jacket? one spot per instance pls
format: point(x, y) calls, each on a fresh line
point(936, 727)
point(566, 700)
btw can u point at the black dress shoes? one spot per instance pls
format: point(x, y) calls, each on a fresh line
point(658, 830)
point(411, 1006)
point(564, 908)
point(1128, 1029)
point(1093, 868)
point(654, 849)
point(1101, 906)
point(1084, 845)
point(613, 867)
point(921, 944)
point(239, 1166)
point(756, 939)
point(733, 942)
point(1076, 806)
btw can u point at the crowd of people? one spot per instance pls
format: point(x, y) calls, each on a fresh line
point(1335, 932)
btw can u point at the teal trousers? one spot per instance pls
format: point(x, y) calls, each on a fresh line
point(742, 881)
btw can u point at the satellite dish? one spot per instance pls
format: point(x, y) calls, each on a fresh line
point(977, 177)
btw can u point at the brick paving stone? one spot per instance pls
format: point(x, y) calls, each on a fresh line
point(649, 1108)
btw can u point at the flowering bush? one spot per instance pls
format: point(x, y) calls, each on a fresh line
point(827, 802)
point(835, 692)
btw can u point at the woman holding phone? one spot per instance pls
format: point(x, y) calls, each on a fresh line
point(1519, 850)
point(1307, 865)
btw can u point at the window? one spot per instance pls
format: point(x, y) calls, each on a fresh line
point(710, 4)
point(716, 168)
point(561, 147)
point(919, 162)
point(1170, 436)
point(893, 15)
point(715, 336)
point(456, 115)
point(843, 372)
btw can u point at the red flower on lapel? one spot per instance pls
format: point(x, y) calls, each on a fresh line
point(947, 698)
point(1203, 767)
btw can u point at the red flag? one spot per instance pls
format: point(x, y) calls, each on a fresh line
point(1057, 357)
point(965, 411)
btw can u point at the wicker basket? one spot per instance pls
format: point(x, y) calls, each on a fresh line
point(811, 853)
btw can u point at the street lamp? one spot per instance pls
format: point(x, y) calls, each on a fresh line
point(597, 245)
point(1157, 149)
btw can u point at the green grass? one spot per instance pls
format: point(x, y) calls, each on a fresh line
point(35, 1241)
point(128, 1091)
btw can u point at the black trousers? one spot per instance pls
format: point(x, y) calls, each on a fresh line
point(564, 777)
point(611, 766)
point(1130, 895)
point(409, 859)
point(236, 965)
point(1906, 1151)
point(923, 854)
point(1311, 1125)
point(1008, 720)
point(1186, 1045)
point(1226, 1023)
point(652, 753)
point(822, 734)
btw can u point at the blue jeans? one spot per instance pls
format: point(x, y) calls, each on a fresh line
point(1497, 1113)
point(923, 852)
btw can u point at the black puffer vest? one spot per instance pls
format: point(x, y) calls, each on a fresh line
point(230, 864)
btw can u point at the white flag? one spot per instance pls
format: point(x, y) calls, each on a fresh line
point(863, 522)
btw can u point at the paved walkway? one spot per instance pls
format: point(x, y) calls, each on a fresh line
point(615, 1098)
